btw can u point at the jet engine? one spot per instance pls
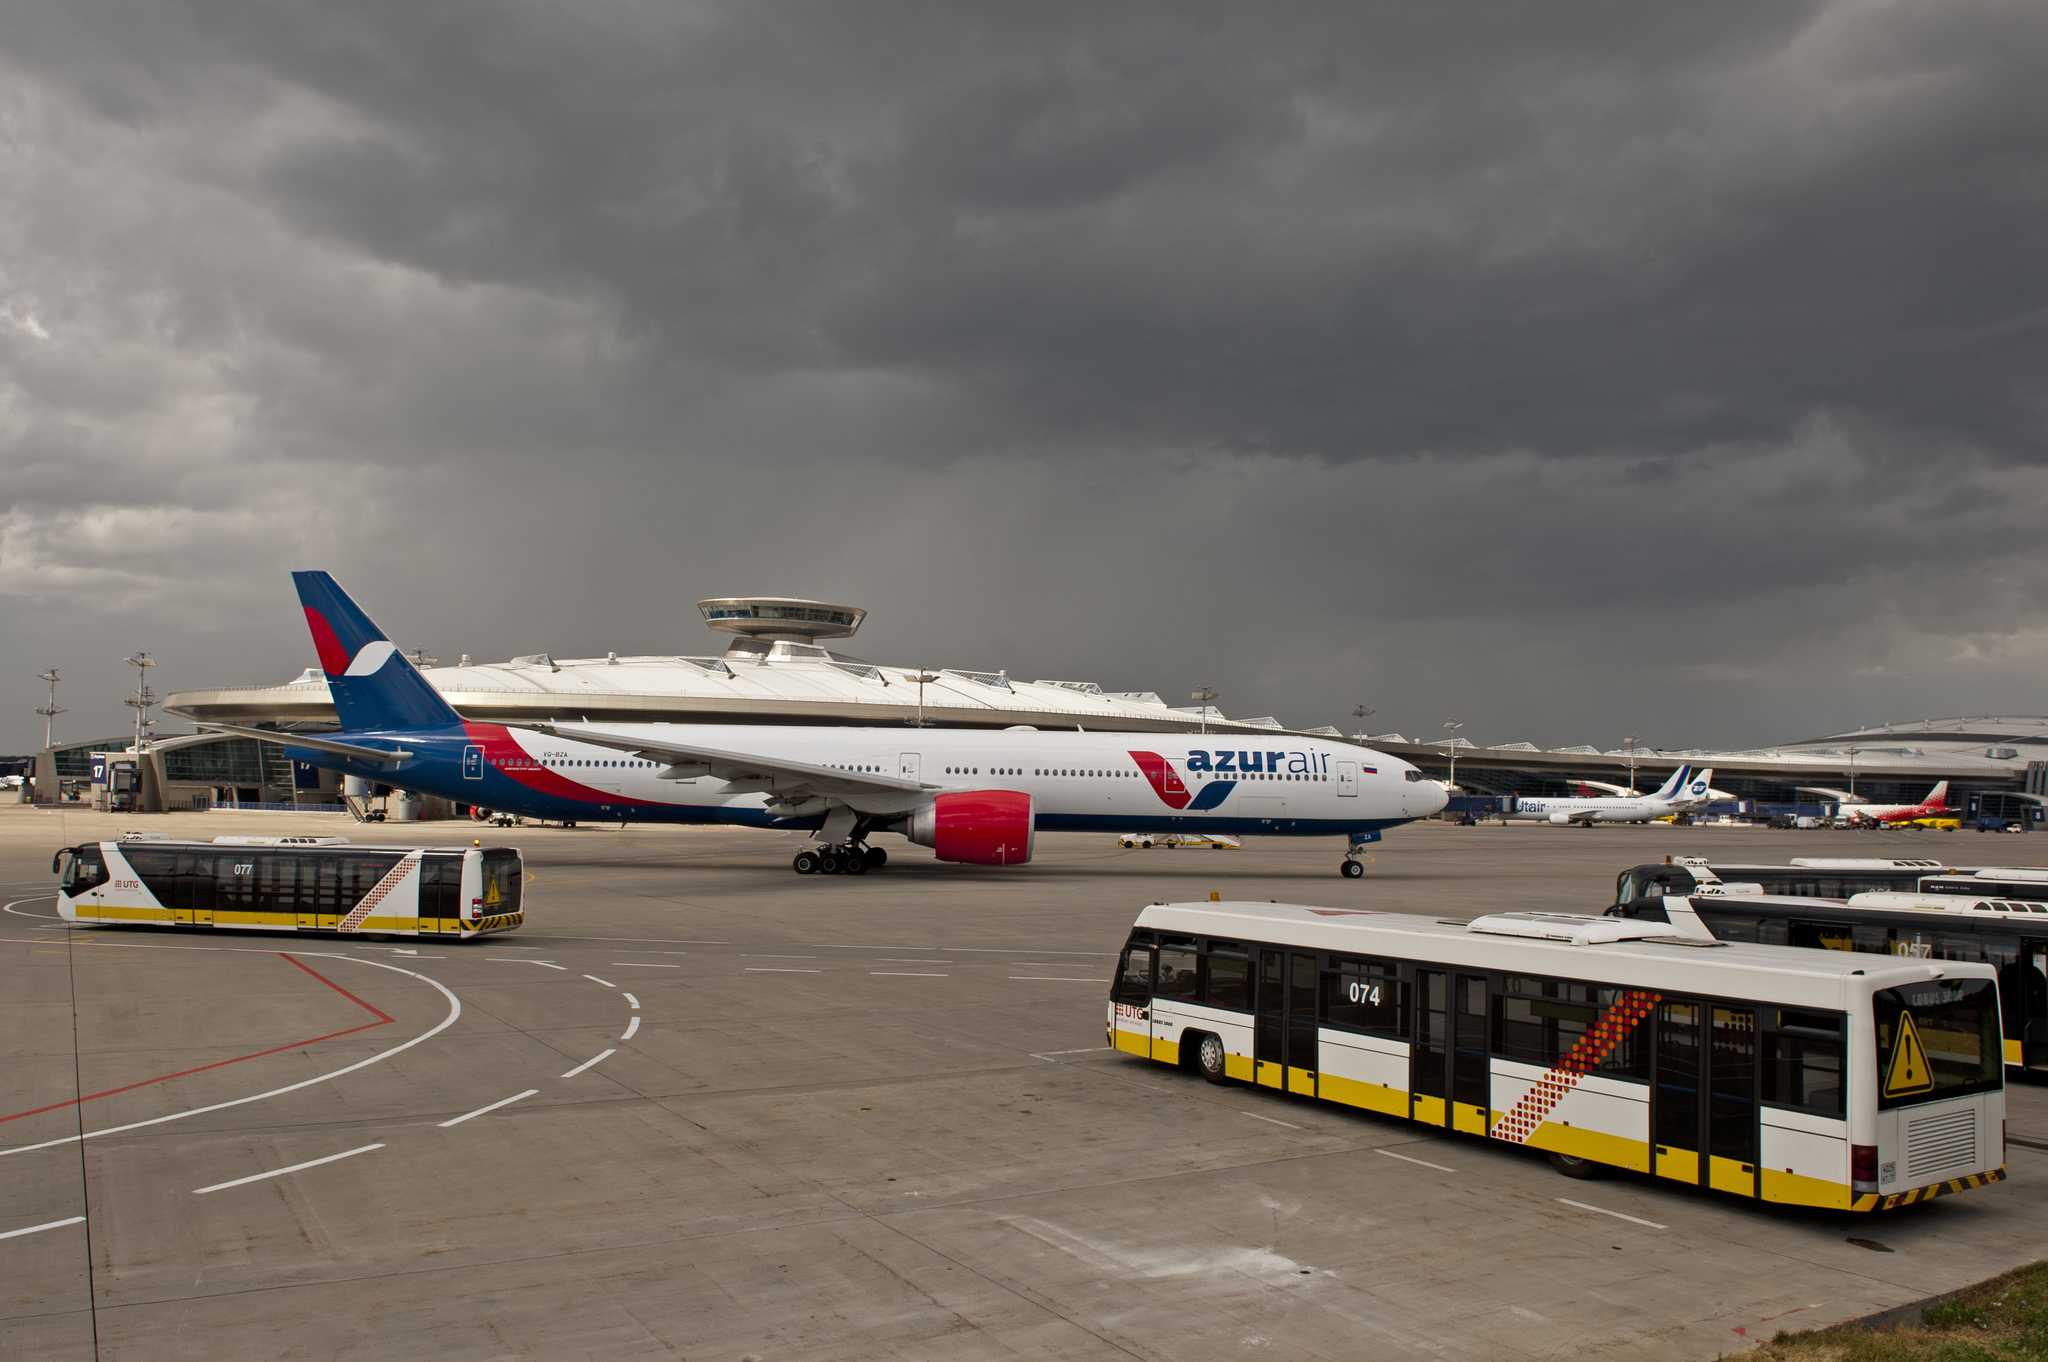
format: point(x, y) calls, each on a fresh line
point(1560, 818)
point(978, 827)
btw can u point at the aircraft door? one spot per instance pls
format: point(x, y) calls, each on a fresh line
point(472, 762)
point(1347, 778)
point(906, 766)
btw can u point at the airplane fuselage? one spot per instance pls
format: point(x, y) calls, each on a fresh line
point(1079, 782)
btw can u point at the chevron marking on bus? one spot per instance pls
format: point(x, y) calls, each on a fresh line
point(361, 912)
point(1589, 1054)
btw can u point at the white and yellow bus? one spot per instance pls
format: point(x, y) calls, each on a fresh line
point(1806, 1077)
point(292, 885)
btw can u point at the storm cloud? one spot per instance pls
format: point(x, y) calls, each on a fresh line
point(1576, 370)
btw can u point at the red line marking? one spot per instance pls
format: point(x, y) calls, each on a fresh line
point(382, 1020)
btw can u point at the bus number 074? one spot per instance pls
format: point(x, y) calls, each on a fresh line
point(1365, 993)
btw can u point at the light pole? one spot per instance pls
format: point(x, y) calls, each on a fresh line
point(1205, 695)
point(921, 677)
point(1631, 741)
point(1359, 714)
point(1852, 773)
point(1452, 743)
point(144, 698)
point(50, 712)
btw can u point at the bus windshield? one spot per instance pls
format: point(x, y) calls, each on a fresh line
point(501, 881)
point(1938, 1039)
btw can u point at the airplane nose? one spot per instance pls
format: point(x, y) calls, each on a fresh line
point(1441, 796)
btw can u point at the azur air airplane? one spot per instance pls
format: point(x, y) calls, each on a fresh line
point(1684, 790)
point(971, 795)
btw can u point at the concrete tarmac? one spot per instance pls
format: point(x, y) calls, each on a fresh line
point(703, 1108)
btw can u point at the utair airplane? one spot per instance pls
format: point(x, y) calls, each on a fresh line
point(1683, 791)
point(973, 796)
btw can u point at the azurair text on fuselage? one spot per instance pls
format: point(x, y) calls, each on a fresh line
point(972, 795)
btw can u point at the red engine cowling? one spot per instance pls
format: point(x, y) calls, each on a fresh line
point(979, 827)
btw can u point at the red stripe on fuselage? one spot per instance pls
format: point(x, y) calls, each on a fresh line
point(1165, 780)
point(334, 658)
point(502, 751)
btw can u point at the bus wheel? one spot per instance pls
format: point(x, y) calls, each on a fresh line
point(1209, 1059)
point(806, 863)
point(1353, 869)
point(876, 857)
point(1574, 1167)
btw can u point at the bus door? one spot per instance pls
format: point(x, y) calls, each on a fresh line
point(1471, 1070)
point(1448, 1067)
point(1704, 1095)
point(1284, 1022)
point(2033, 1028)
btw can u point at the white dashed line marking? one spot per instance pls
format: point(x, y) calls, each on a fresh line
point(280, 1172)
point(38, 1229)
point(510, 960)
point(1055, 979)
point(770, 969)
point(745, 956)
point(480, 1111)
point(1424, 1162)
point(1256, 1117)
point(631, 999)
point(904, 974)
point(595, 980)
point(631, 1027)
point(1632, 1219)
point(636, 964)
point(588, 1062)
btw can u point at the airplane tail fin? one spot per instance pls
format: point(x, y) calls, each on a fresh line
point(1701, 787)
point(1938, 796)
point(1670, 789)
point(373, 684)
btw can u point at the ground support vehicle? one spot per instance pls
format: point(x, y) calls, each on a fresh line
point(293, 885)
point(1828, 1080)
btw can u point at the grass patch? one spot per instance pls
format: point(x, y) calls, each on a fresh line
point(2002, 1320)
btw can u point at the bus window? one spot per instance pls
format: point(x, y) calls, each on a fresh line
point(86, 869)
point(1541, 1021)
point(1365, 995)
point(1178, 969)
point(501, 882)
point(1841, 936)
point(1227, 982)
point(1803, 1063)
point(1134, 974)
point(1731, 926)
point(1937, 1039)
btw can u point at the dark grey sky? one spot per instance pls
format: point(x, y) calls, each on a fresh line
point(1574, 369)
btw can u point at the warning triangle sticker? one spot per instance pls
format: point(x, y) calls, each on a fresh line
point(491, 897)
point(1908, 1072)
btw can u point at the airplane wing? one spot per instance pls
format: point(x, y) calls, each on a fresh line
point(1620, 791)
point(787, 779)
point(1837, 796)
point(378, 755)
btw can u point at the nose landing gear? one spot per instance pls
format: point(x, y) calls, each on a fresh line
point(1353, 868)
point(848, 858)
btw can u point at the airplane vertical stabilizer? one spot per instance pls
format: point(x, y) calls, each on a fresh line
point(373, 684)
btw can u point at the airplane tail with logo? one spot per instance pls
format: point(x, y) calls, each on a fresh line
point(1937, 798)
point(1673, 788)
point(1700, 788)
point(373, 684)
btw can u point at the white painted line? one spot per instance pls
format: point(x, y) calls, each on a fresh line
point(1084, 1050)
point(836, 946)
point(511, 960)
point(280, 1172)
point(631, 1027)
point(631, 999)
point(904, 974)
point(745, 956)
point(1256, 1117)
point(505, 1102)
point(454, 1011)
point(595, 980)
point(1633, 1220)
point(1056, 979)
point(885, 960)
point(1424, 1162)
point(38, 1229)
point(770, 969)
point(588, 1062)
point(635, 964)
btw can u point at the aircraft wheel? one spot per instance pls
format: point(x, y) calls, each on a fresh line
point(1353, 869)
point(806, 863)
point(854, 861)
point(1209, 1059)
point(828, 861)
point(876, 858)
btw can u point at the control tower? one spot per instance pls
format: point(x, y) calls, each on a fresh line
point(780, 619)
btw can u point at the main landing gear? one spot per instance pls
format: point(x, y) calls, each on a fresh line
point(850, 858)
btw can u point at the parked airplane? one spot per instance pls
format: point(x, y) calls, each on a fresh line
point(1934, 806)
point(1678, 794)
point(973, 796)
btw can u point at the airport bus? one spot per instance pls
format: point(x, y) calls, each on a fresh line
point(1814, 877)
point(292, 884)
point(1813, 1079)
point(1989, 918)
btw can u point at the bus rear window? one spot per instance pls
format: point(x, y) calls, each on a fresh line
point(1937, 1039)
point(501, 881)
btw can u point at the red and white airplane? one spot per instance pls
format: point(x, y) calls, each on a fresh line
point(1934, 806)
